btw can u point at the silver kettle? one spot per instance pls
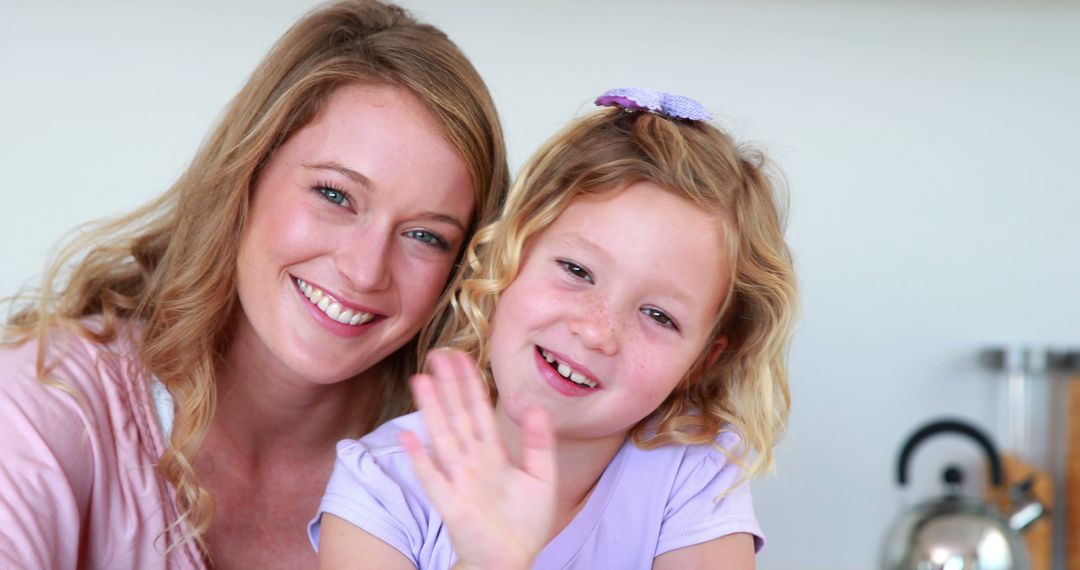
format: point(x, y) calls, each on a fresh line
point(955, 532)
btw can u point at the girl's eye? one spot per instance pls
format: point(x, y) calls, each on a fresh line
point(660, 317)
point(333, 195)
point(429, 238)
point(575, 270)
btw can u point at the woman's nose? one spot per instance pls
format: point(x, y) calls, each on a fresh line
point(364, 258)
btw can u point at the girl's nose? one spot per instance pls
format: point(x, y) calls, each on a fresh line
point(595, 329)
point(363, 258)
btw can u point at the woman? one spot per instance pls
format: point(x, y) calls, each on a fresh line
point(175, 398)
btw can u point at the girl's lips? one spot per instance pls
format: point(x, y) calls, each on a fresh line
point(572, 363)
point(556, 381)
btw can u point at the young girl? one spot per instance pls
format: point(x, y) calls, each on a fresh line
point(632, 308)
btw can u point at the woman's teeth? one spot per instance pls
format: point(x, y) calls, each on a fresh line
point(332, 308)
point(566, 372)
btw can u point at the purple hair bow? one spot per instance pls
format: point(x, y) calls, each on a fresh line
point(659, 102)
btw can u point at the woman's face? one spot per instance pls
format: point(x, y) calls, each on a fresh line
point(353, 228)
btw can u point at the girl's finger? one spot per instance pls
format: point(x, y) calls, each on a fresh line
point(538, 445)
point(474, 391)
point(449, 390)
point(432, 480)
point(443, 442)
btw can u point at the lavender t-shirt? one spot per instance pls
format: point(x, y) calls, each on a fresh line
point(646, 503)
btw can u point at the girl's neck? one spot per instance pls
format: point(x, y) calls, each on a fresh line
point(579, 464)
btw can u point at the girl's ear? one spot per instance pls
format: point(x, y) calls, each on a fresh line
point(717, 348)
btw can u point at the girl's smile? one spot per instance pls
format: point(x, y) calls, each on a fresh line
point(603, 319)
point(565, 378)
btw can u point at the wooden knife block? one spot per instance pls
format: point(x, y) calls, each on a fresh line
point(1040, 535)
point(1072, 477)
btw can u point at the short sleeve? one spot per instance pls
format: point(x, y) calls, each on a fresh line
point(368, 492)
point(704, 504)
point(46, 467)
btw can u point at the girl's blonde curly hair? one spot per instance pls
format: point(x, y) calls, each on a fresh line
point(745, 388)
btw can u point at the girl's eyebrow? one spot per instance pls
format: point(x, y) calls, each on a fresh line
point(671, 287)
point(575, 239)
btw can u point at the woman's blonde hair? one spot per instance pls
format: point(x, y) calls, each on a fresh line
point(745, 389)
point(171, 264)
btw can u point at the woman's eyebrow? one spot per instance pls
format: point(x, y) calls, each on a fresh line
point(446, 218)
point(349, 173)
point(365, 183)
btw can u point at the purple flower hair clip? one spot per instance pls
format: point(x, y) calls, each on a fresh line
point(659, 102)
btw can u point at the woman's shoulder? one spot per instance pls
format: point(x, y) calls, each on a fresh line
point(47, 417)
point(81, 383)
point(71, 361)
point(81, 446)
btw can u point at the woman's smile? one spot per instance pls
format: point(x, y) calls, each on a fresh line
point(339, 312)
point(353, 230)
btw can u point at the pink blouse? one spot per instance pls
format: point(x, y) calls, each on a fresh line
point(78, 488)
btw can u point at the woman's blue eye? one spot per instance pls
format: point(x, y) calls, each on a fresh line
point(332, 195)
point(576, 270)
point(660, 317)
point(429, 238)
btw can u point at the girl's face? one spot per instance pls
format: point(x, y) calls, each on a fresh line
point(613, 304)
point(353, 228)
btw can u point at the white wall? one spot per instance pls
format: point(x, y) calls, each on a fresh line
point(930, 148)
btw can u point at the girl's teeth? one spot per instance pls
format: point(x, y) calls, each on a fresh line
point(345, 317)
point(566, 372)
point(334, 310)
point(324, 303)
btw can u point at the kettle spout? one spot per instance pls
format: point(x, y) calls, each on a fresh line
point(1029, 509)
point(1027, 513)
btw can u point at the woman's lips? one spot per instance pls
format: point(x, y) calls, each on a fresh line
point(338, 317)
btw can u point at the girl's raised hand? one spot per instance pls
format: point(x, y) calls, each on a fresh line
point(499, 512)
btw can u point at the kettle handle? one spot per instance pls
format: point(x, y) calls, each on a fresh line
point(934, 428)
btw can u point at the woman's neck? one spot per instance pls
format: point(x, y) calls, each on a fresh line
point(264, 412)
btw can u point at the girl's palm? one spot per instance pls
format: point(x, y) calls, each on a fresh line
point(499, 513)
